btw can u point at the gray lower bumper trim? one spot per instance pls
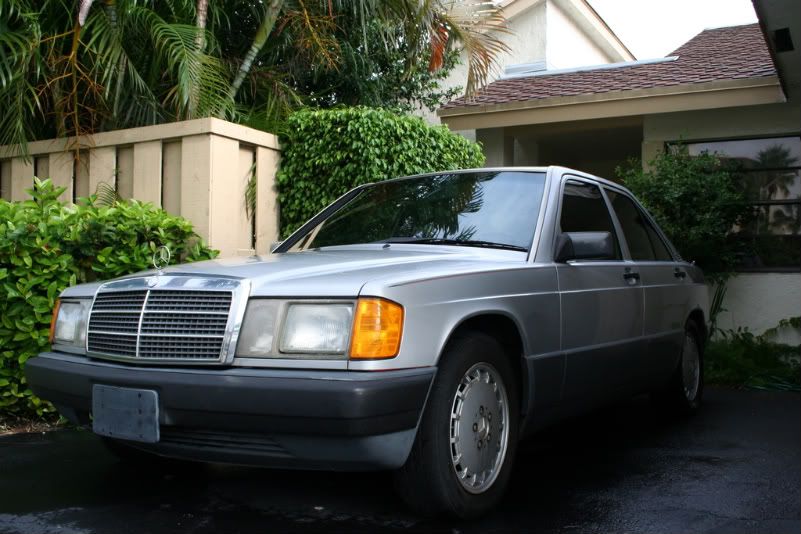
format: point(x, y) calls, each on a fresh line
point(286, 418)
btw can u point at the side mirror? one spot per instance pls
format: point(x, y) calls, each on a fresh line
point(584, 246)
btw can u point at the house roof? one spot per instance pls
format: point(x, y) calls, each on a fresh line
point(714, 55)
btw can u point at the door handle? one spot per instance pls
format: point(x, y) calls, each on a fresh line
point(678, 273)
point(629, 275)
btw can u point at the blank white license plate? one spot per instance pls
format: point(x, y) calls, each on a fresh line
point(125, 413)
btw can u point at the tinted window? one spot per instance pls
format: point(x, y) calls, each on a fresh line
point(584, 210)
point(466, 208)
point(643, 240)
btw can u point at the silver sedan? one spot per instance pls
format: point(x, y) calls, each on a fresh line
point(422, 325)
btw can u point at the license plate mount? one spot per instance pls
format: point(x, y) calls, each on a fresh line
point(125, 413)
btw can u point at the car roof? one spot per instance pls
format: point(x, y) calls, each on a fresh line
point(543, 169)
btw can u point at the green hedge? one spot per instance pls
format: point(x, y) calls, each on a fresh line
point(327, 152)
point(46, 246)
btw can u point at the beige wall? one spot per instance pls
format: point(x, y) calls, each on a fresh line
point(197, 169)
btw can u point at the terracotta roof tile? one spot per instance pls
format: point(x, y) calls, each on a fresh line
point(718, 54)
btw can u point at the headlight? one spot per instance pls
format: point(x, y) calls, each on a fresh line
point(256, 337)
point(317, 328)
point(369, 328)
point(68, 326)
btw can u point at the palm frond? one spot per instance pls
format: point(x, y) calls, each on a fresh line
point(475, 26)
point(130, 98)
point(106, 195)
point(194, 72)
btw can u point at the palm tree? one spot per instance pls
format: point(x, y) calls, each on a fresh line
point(73, 67)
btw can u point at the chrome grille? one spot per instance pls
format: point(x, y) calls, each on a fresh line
point(149, 325)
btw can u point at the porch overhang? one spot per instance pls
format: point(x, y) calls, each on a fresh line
point(685, 97)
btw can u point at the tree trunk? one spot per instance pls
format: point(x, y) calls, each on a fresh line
point(266, 26)
point(202, 12)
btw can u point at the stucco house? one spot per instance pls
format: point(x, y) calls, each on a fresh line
point(735, 91)
point(546, 34)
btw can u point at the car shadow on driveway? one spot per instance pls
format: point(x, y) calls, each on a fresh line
point(733, 468)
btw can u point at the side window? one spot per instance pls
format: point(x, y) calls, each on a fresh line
point(584, 210)
point(643, 240)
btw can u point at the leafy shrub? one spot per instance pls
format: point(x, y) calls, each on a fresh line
point(740, 358)
point(46, 246)
point(696, 201)
point(328, 152)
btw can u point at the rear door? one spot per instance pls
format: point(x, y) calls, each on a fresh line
point(667, 290)
point(602, 303)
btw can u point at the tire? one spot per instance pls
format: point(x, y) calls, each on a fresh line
point(475, 382)
point(685, 390)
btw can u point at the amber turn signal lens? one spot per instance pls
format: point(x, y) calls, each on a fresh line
point(377, 329)
point(53, 320)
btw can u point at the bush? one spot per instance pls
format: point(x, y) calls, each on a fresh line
point(46, 246)
point(740, 358)
point(696, 201)
point(328, 152)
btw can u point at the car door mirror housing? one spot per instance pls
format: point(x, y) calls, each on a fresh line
point(584, 246)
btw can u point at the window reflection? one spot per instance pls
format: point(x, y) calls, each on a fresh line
point(495, 207)
point(770, 171)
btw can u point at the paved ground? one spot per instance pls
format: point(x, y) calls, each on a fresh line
point(736, 467)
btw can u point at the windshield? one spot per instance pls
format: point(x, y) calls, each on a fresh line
point(487, 209)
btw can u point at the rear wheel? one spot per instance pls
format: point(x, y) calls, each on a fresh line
point(461, 460)
point(685, 390)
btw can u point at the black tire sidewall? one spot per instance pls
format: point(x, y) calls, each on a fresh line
point(462, 354)
point(693, 405)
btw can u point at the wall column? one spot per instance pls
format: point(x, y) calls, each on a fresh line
point(62, 167)
point(21, 178)
point(147, 172)
point(267, 214)
point(498, 147)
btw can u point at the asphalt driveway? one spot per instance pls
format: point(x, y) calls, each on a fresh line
point(736, 467)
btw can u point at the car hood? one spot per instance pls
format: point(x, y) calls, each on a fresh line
point(342, 271)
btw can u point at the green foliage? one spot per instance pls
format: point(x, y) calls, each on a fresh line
point(46, 246)
point(696, 200)
point(740, 358)
point(128, 63)
point(328, 152)
point(371, 71)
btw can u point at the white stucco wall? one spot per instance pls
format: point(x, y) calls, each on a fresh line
point(567, 45)
point(758, 301)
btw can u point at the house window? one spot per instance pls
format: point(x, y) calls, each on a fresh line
point(770, 170)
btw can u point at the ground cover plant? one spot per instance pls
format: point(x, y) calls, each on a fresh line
point(46, 246)
point(741, 358)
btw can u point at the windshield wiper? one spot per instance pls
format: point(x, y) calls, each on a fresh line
point(454, 242)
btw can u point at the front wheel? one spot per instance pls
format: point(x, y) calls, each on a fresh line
point(461, 460)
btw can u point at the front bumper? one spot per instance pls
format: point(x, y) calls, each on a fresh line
point(344, 420)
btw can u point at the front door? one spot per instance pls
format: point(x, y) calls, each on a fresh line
point(602, 304)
